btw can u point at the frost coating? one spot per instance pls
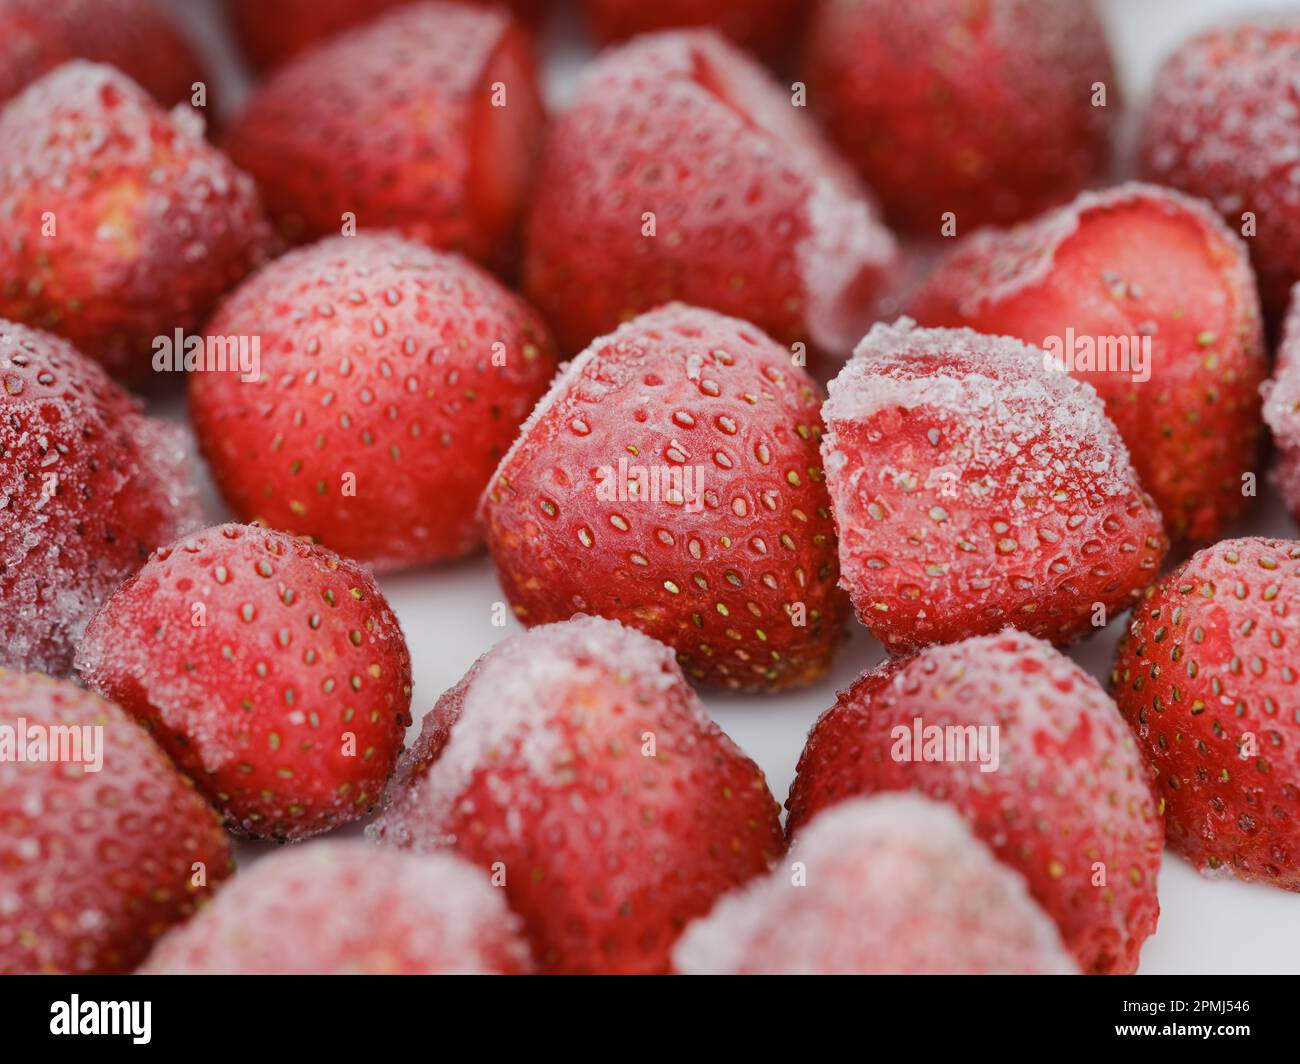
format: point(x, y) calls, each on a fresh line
point(755, 215)
point(501, 713)
point(963, 471)
point(576, 767)
point(1067, 759)
point(124, 222)
point(1031, 416)
point(94, 865)
point(1014, 260)
point(286, 702)
point(844, 240)
point(1221, 124)
point(1147, 295)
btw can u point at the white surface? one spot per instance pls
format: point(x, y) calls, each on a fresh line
point(1206, 926)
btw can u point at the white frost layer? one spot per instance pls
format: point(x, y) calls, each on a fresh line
point(510, 700)
point(1019, 411)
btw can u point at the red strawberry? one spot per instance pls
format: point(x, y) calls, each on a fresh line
point(271, 670)
point(1205, 677)
point(1032, 753)
point(894, 885)
point(1221, 125)
point(768, 27)
point(348, 908)
point(124, 223)
point(670, 480)
point(982, 108)
point(88, 487)
point(683, 172)
point(973, 487)
point(138, 37)
point(428, 121)
point(576, 767)
point(1117, 267)
point(270, 33)
point(393, 378)
point(1282, 408)
point(103, 844)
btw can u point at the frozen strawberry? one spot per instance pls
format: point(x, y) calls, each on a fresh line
point(271, 670)
point(985, 109)
point(123, 223)
point(349, 908)
point(1282, 408)
point(893, 885)
point(575, 766)
point(1144, 294)
point(88, 487)
point(138, 37)
point(103, 844)
point(973, 487)
point(683, 172)
point(1205, 677)
point(768, 27)
point(270, 33)
point(1221, 125)
point(393, 379)
point(670, 479)
point(1032, 753)
point(428, 121)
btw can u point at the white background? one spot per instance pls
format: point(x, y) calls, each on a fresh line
point(1205, 925)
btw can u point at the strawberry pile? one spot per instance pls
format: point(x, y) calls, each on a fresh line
point(783, 435)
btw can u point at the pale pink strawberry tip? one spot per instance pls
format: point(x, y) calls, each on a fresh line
point(894, 884)
point(347, 908)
